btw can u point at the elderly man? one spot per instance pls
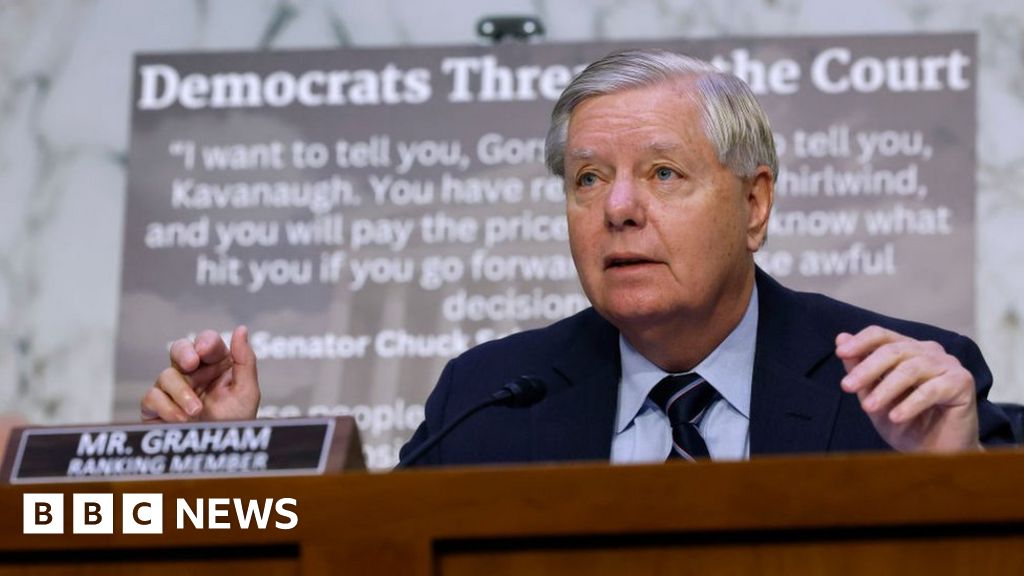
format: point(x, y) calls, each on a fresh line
point(689, 350)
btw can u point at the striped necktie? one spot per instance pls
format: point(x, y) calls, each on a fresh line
point(684, 398)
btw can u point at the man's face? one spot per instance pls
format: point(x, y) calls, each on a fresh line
point(659, 229)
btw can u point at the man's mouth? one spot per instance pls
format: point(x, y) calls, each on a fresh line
point(625, 261)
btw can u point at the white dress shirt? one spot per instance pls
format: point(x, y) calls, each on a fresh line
point(642, 431)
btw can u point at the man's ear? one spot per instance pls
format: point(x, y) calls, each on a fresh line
point(760, 196)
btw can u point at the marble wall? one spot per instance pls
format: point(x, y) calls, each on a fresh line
point(65, 75)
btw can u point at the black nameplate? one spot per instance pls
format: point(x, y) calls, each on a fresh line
point(164, 451)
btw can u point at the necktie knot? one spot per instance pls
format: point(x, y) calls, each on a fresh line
point(683, 398)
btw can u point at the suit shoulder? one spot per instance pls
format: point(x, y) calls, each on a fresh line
point(838, 316)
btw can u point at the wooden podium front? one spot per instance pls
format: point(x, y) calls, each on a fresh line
point(882, 514)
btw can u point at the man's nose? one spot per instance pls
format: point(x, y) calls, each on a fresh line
point(624, 205)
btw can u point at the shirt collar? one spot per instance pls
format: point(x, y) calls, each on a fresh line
point(729, 368)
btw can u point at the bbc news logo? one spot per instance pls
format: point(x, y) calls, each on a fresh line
point(144, 513)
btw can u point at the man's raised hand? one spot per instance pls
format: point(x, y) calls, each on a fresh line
point(206, 380)
point(919, 397)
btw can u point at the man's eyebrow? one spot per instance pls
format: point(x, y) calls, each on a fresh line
point(582, 154)
point(662, 146)
point(589, 154)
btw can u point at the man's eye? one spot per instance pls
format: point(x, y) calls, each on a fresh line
point(587, 179)
point(664, 173)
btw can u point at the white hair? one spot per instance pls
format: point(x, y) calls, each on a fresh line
point(733, 120)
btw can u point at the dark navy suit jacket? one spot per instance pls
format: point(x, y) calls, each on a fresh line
point(796, 406)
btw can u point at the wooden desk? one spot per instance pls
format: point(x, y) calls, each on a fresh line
point(882, 514)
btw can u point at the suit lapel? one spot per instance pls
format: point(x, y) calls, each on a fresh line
point(794, 403)
point(577, 419)
point(794, 399)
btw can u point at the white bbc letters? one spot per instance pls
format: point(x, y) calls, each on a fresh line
point(42, 514)
point(142, 513)
point(92, 514)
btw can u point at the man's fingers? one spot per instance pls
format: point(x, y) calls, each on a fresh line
point(157, 406)
point(243, 359)
point(848, 363)
point(210, 347)
point(867, 372)
point(897, 383)
point(942, 391)
point(206, 380)
point(205, 376)
point(854, 349)
point(866, 341)
point(183, 356)
point(207, 348)
point(917, 395)
point(921, 399)
point(180, 391)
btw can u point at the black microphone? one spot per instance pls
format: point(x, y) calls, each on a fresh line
point(520, 392)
